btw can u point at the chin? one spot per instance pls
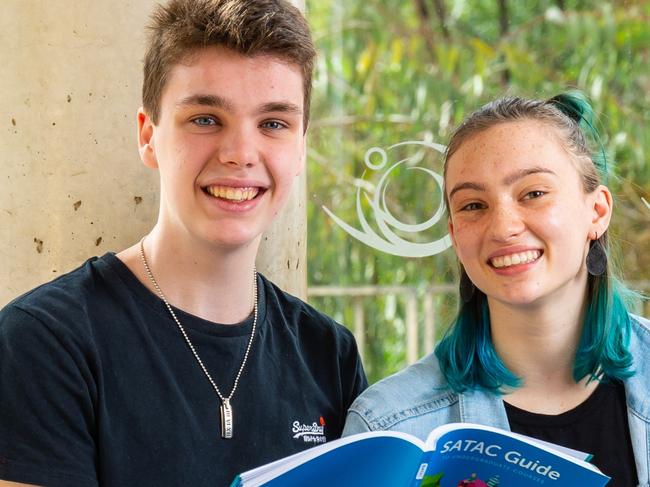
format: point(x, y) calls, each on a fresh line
point(228, 240)
point(228, 233)
point(519, 298)
point(234, 242)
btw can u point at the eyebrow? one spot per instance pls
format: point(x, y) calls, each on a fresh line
point(284, 107)
point(516, 176)
point(206, 100)
point(216, 101)
point(508, 180)
point(468, 185)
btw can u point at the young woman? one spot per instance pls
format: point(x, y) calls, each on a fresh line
point(543, 343)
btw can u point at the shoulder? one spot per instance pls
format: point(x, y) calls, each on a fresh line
point(640, 324)
point(637, 385)
point(640, 336)
point(314, 343)
point(640, 339)
point(77, 283)
point(303, 320)
point(416, 395)
point(62, 303)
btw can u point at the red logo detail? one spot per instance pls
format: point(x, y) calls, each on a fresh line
point(322, 421)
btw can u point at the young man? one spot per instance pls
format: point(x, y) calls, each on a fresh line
point(173, 362)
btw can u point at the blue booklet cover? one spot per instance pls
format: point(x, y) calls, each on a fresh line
point(454, 455)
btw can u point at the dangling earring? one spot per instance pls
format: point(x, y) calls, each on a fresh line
point(596, 258)
point(466, 286)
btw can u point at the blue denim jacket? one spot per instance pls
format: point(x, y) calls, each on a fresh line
point(415, 401)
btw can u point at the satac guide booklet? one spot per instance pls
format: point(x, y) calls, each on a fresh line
point(454, 455)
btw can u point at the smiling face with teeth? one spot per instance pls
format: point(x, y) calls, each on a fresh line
point(228, 143)
point(520, 219)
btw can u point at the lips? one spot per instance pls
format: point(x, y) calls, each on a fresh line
point(516, 258)
point(231, 193)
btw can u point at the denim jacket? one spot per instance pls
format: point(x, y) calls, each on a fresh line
point(416, 400)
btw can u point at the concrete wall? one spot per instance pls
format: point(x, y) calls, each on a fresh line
point(72, 184)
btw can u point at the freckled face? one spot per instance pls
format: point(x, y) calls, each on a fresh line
point(519, 216)
point(228, 144)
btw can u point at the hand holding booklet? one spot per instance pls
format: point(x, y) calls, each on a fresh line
point(454, 455)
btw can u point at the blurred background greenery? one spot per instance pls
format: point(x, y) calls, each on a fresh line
point(397, 70)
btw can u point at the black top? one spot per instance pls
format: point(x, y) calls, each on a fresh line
point(597, 426)
point(97, 386)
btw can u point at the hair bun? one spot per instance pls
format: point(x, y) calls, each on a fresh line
point(573, 105)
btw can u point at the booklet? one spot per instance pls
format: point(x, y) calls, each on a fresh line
point(454, 455)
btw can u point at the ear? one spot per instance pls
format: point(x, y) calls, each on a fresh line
point(450, 228)
point(602, 204)
point(146, 140)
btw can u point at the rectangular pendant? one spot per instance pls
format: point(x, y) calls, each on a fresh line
point(226, 419)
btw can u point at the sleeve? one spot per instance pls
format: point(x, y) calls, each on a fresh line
point(47, 393)
point(354, 424)
point(353, 371)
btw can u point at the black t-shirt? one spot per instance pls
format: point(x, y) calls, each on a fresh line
point(97, 386)
point(598, 426)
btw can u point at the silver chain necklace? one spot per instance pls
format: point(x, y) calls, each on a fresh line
point(226, 407)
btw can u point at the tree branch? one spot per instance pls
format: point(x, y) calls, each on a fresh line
point(425, 27)
point(441, 12)
point(504, 22)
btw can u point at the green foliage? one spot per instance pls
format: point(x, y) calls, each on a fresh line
point(389, 71)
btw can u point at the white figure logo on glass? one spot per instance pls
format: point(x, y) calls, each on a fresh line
point(389, 242)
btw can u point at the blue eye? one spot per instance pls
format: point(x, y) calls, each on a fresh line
point(273, 125)
point(204, 121)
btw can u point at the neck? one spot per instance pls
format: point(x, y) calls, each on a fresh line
point(539, 338)
point(538, 344)
point(215, 284)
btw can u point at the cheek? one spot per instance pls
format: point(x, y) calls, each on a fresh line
point(555, 215)
point(284, 167)
point(466, 240)
point(563, 222)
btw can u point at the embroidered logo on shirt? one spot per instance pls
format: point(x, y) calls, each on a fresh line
point(310, 433)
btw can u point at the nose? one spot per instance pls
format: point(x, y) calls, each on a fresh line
point(506, 223)
point(237, 147)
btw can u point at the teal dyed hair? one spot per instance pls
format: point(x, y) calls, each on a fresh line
point(575, 106)
point(466, 354)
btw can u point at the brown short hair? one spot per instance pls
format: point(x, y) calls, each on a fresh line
point(248, 27)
